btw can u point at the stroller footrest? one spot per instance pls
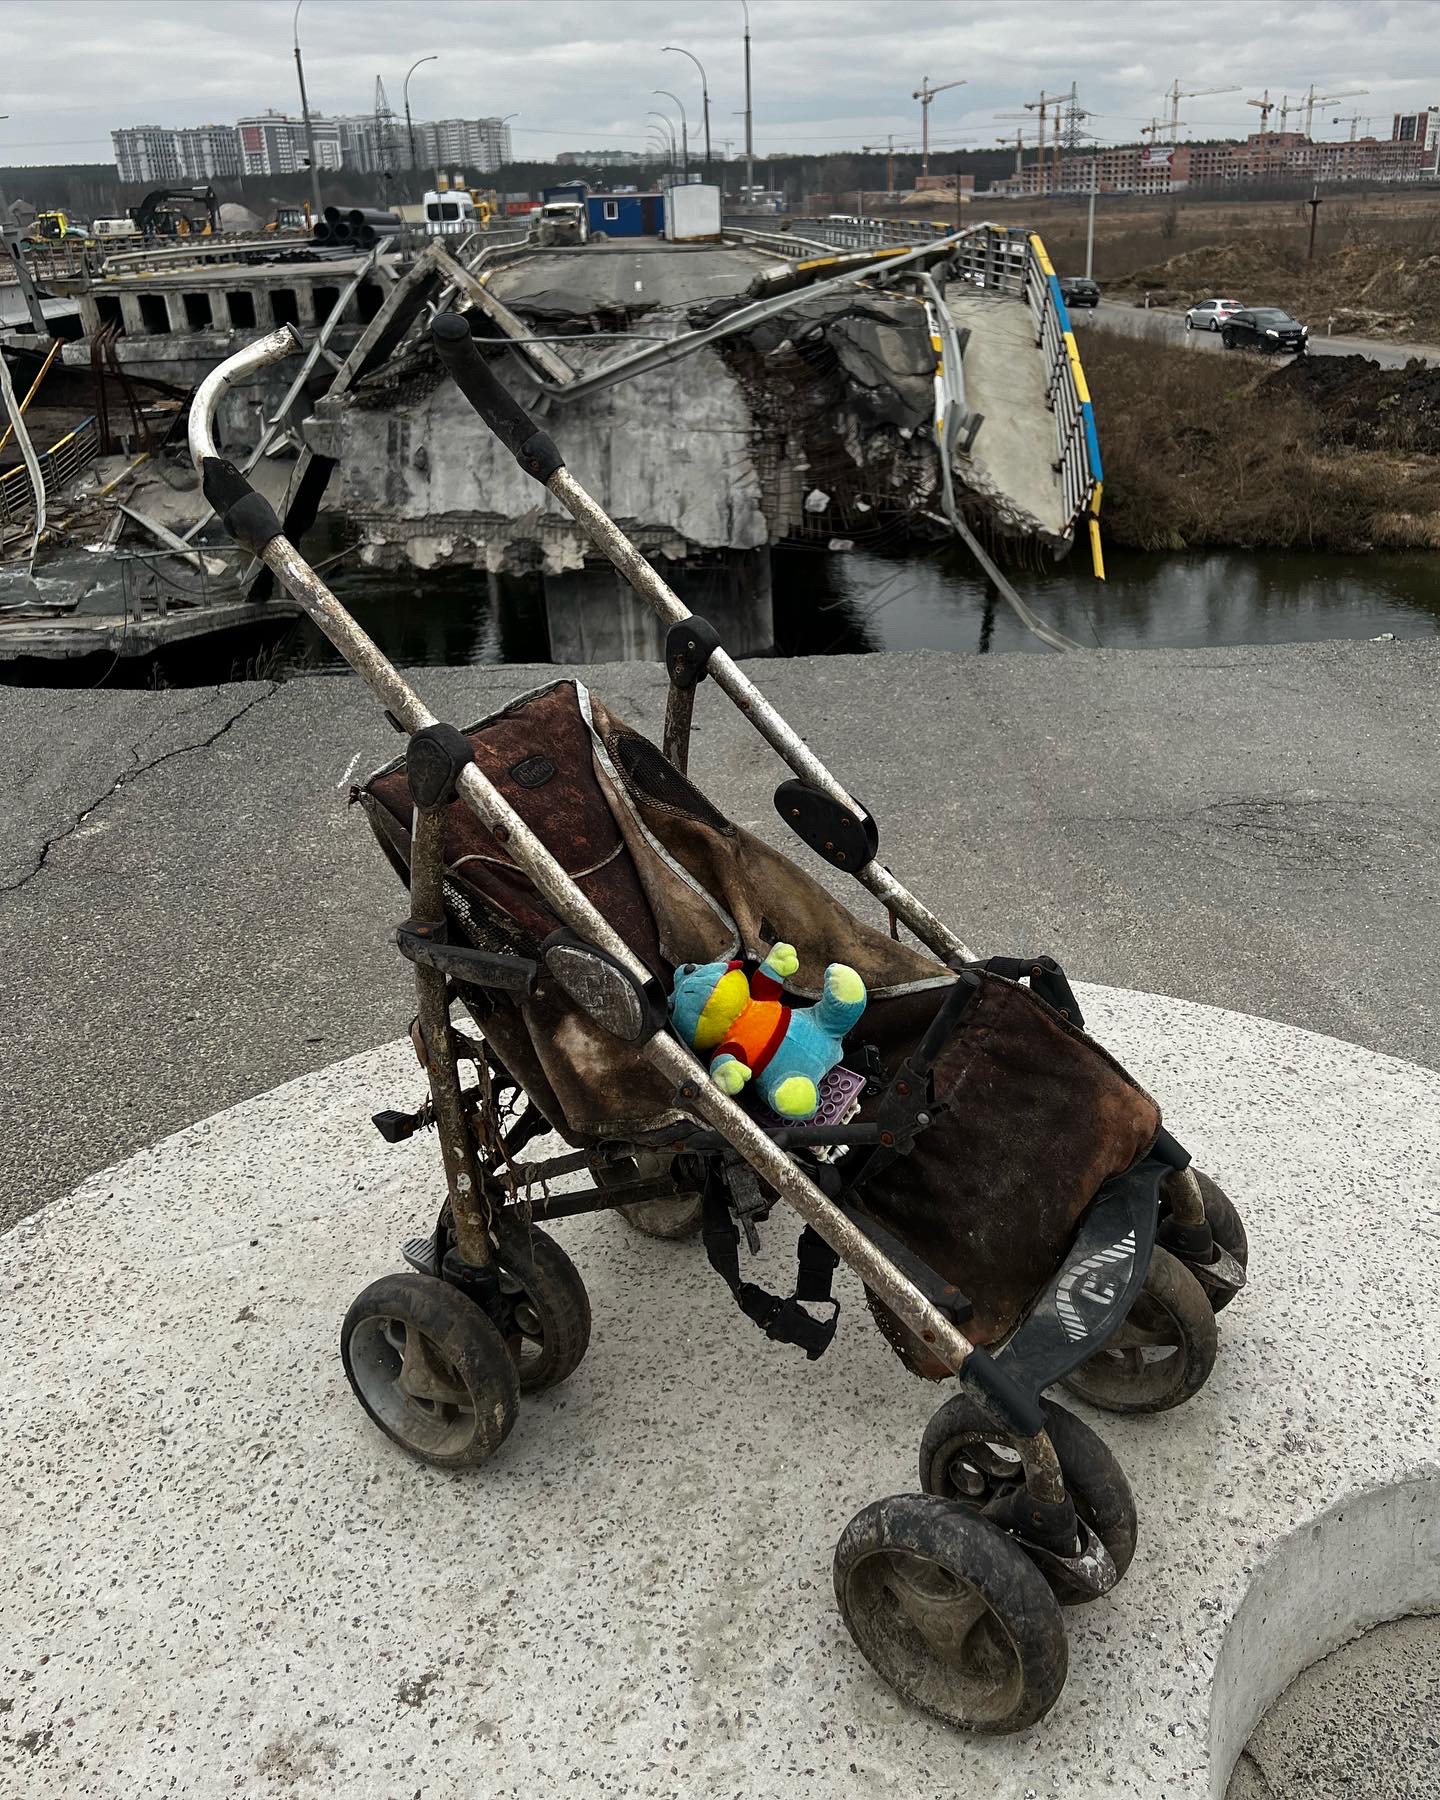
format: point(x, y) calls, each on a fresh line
point(419, 1252)
point(1093, 1291)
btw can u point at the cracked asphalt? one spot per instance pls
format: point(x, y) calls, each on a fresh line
point(192, 913)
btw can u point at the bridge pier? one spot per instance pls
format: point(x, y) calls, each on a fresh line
point(594, 616)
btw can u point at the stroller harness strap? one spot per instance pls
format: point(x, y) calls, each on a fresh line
point(783, 1320)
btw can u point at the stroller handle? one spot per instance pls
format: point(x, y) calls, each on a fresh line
point(531, 447)
point(536, 454)
point(248, 517)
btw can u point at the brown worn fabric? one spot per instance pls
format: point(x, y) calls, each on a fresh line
point(1036, 1118)
point(749, 896)
point(1032, 1117)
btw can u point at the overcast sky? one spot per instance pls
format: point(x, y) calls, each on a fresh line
point(828, 74)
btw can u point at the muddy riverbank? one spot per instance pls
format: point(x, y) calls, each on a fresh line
point(1232, 451)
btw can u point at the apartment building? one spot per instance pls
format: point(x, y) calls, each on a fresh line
point(273, 143)
point(147, 153)
point(482, 144)
point(1411, 153)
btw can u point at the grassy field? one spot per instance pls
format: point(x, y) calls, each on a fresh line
point(1376, 268)
point(1209, 451)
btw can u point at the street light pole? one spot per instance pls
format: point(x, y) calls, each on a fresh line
point(704, 98)
point(684, 132)
point(749, 115)
point(666, 120)
point(409, 126)
point(305, 112)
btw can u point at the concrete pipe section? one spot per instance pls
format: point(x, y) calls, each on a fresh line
point(220, 1579)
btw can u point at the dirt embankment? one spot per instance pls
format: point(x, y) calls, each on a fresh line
point(1372, 284)
point(1325, 453)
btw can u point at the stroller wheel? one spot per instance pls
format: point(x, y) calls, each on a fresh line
point(963, 1460)
point(951, 1612)
point(430, 1369)
point(1228, 1230)
point(1164, 1351)
point(547, 1328)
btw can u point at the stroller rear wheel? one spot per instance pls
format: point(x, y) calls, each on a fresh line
point(547, 1328)
point(1164, 1351)
point(951, 1612)
point(1228, 1230)
point(962, 1459)
point(431, 1369)
point(670, 1219)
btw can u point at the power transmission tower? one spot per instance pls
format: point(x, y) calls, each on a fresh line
point(384, 140)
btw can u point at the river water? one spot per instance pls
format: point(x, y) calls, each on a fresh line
point(934, 599)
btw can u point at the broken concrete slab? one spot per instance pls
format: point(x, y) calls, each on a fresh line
point(242, 1575)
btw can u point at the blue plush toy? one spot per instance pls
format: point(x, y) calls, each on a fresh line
point(748, 1033)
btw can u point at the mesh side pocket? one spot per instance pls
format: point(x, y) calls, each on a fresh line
point(650, 775)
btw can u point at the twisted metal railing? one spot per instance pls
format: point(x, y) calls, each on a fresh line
point(1067, 395)
point(59, 465)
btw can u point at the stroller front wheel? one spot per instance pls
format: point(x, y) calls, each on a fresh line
point(431, 1370)
point(951, 1612)
point(962, 1459)
point(1164, 1351)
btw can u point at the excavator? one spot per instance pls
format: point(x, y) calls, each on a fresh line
point(52, 228)
point(169, 212)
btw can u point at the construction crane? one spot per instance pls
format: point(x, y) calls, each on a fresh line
point(925, 94)
point(1175, 95)
point(887, 150)
point(1352, 120)
point(1285, 109)
point(1019, 149)
point(1312, 100)
point(1040, 105)
point(1039, 142)
point(1267, 106)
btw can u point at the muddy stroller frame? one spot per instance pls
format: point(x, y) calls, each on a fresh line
point(1017, 1540)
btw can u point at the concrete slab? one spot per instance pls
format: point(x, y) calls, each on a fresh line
point(221, 1579)
point(629, 276)
point(1364, 1720)
point(201, 915)
point(1013, 453)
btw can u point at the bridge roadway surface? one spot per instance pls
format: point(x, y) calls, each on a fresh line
point(627, 274)
point(201, 916)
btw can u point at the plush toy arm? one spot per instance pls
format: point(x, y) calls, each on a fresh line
point(843, 1001)
point(728, 1073)
point(781, 963)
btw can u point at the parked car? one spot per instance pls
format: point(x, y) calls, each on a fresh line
point(1210, 315)
point(1265, 328)
point(1079, 290)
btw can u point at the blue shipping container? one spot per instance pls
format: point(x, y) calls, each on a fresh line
point(624, 215)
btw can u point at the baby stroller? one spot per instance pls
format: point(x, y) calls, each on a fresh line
point(1004, 1190)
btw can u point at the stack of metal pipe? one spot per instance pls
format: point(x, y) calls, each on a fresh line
point(359, 225)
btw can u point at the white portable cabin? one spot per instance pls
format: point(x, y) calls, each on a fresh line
point(692, 211)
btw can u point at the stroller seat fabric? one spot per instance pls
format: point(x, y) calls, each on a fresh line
point(1030, 1117)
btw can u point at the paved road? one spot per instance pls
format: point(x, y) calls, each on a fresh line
point(1169, 327)
point(193, 914)
point(614, 275)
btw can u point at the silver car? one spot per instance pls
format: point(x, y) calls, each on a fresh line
point(1210, 315)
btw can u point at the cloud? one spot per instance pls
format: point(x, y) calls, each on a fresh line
point(827, 73)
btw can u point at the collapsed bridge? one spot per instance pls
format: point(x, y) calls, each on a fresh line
point(718, 400)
